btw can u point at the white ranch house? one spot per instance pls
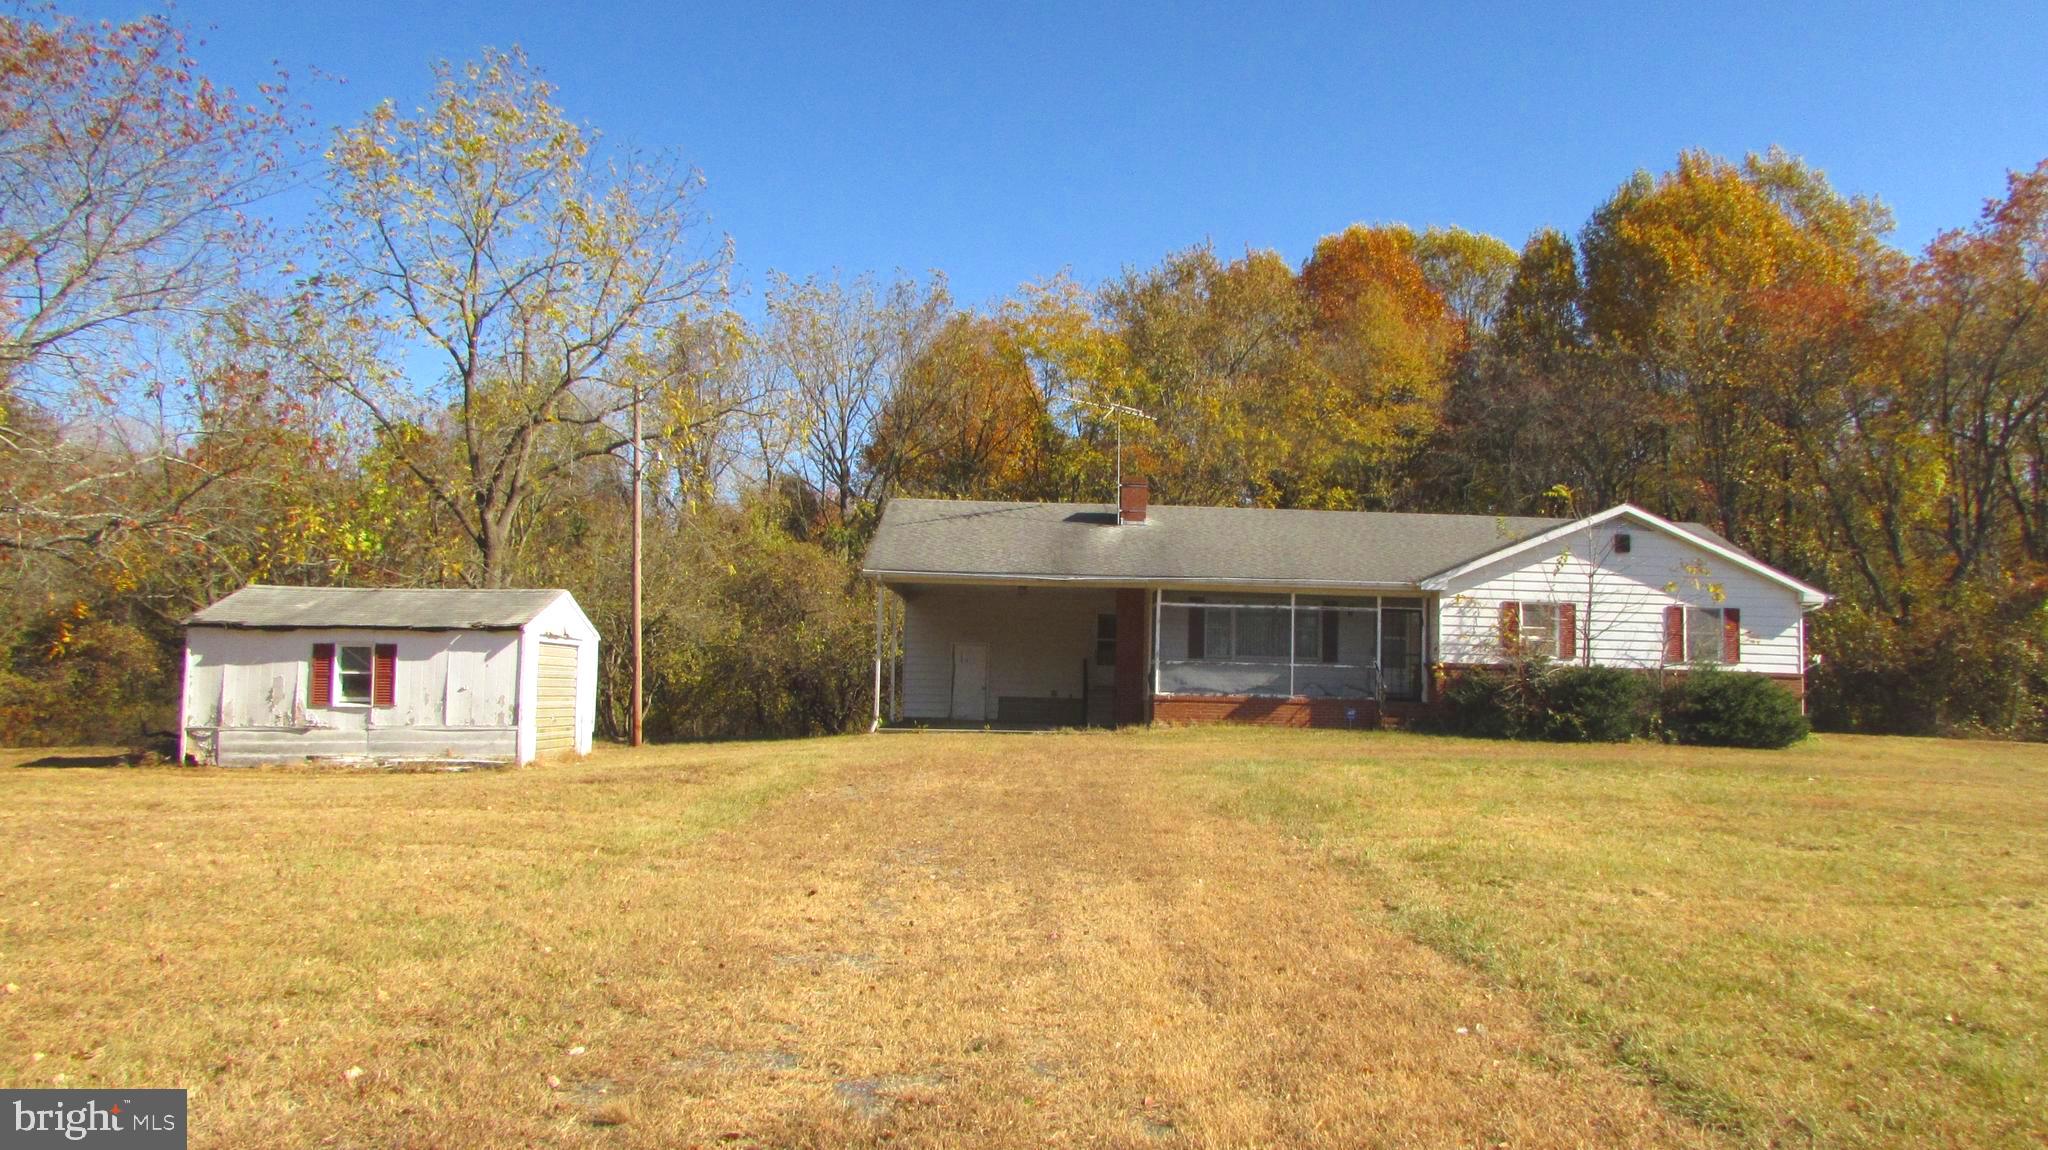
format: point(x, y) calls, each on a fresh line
point(1049, 614)
point(275, 674)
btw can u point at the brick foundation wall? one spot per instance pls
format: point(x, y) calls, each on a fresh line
point(1297, 712)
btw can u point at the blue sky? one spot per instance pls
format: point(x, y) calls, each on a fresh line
point(1004, 143)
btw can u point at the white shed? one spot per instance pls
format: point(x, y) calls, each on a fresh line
point(280, 673)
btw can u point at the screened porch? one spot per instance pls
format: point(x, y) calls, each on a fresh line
point(1270, 645)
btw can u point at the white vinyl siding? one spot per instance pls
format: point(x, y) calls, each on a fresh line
point(1620, 604)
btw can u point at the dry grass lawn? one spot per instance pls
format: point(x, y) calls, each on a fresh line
point(1167, 938)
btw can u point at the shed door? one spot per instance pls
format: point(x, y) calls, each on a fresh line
point(555, 714)
point(970, 681)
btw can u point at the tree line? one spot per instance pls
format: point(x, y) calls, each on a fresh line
point(423, 379)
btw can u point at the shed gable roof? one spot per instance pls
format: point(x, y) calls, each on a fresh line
point(389, 608)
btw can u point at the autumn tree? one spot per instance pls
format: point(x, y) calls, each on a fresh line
point(966, 419)
point(1470, 270)
point(1982, 370)
point(1214, 354)
point(1385, 341)
point(126, 186)
point(486, 278)
point(837, 350)
point(1539, 318)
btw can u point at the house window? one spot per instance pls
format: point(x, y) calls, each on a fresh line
point(1216, 633)
point(1703, 634)
point(1253, 627)
point(1260, 634)
point(353, 674)
point(1622, 543)
point(1105, 640)
point(1308, 635)
point(1530, 629)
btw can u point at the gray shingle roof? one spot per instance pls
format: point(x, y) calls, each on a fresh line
point(937, 537)
point(1192, 544)
point(387, 608)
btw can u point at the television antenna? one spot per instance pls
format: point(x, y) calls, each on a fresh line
point(1116, 425)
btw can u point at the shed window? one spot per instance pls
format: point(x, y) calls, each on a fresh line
point(353, 675)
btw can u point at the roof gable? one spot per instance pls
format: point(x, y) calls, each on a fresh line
point(401, 609)
point(1695, 534)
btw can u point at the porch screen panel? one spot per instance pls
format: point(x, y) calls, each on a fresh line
point(1354, 672)
point(1264, 644)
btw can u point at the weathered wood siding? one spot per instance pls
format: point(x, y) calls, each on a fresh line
point(1036, 637)
point(1621, 600)
point(246, 696)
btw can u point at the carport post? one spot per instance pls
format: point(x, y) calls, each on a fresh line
point(1158, 616)
point(877, 724)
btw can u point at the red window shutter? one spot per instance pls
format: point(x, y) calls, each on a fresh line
point(1731, 635)
point(1674, 634)
point(1510, 625)
point(384, 676)
point(1196, 635)
point(1330, 636)
point(1567, 630)
point(320, 692)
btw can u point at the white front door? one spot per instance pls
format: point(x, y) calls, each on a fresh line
point(970, 681)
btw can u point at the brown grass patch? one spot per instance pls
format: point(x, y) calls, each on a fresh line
point(913, 940)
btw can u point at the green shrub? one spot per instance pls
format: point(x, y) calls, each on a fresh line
point(1722, 709)
point(1494, 704)
point(1595, 705)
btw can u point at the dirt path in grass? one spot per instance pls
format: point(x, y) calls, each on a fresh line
point(985, 943)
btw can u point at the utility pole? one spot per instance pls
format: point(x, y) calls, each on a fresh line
point(636, 563)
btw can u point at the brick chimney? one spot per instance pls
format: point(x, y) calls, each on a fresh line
point(1132, 499)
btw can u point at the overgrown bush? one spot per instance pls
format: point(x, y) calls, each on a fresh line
point(73, 679)
point(1595, 705)
point(1723, 709)
point(1492, 703)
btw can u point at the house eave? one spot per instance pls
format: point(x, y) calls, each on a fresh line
point(1012, 579)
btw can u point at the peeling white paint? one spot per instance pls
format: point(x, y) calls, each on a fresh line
point(459, 694)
